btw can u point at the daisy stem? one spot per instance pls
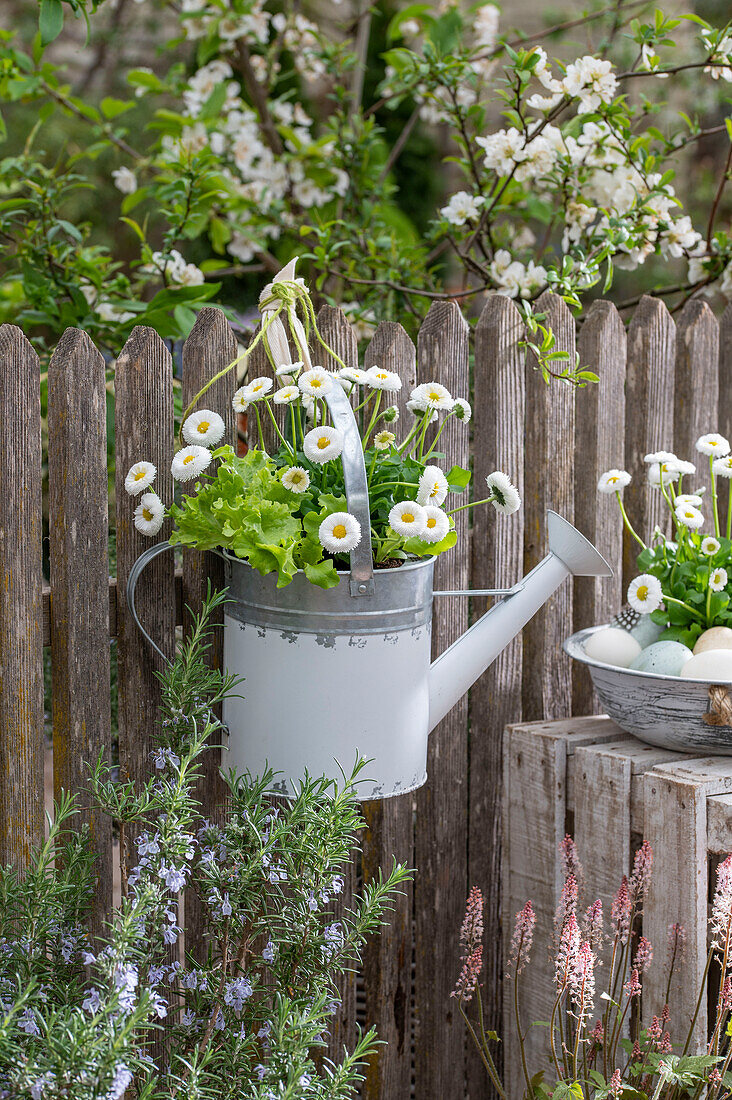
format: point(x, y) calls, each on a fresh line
point(437, 435)
point(627, 522)
point(473, 503)
point(365, 401)
point(412, 431)
point(374, 414)
point(691, 610)
point(714, 496)
point(709, 596)
point(259, 427)
point(293, 425)
point(277, 427)
point(372, 467)
point(729, 510)
point(422, 434)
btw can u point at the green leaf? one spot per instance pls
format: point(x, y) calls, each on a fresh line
point(50, 20)
point(111, 107)
point(323, 573)
point(458, 479)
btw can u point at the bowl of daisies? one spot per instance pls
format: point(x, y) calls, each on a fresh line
point(662, 668)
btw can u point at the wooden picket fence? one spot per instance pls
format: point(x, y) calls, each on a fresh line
point(661, 385)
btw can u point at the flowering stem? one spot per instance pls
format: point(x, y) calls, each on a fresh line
point(374, 415)
point(372, 467)
point(412, 431)
point(484, 1054)
point(517, 1013)
point(259, 427)
point(627, 523)
point(714, 496)
point(277, 427)
point(473, 504)
point(702, 995)
point(438, 433)
point(697, 614)
point(729, 510)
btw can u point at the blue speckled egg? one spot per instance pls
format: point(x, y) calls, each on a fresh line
point(646, 632)
point(665, 658)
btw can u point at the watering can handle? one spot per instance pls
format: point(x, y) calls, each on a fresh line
point(144, 559)
point(357, 489)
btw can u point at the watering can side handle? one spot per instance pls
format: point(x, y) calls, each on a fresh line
point(144, 559)
point(357, 488)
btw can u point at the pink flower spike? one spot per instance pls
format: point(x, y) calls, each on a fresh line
point(567, 952)
point(620, 911)
point(665, 1046)
point(471, 932)
point(598, 1033)
point(522, 938)
point(643, 955)
point(570, 858)
point(641, 876)
point(633, 986)
point(721, 918)
point(567, 903)
point(676, 942)
point(468, 980)
point(593, 923)
point(615, 1087)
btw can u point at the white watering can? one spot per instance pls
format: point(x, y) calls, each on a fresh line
point(331, 675)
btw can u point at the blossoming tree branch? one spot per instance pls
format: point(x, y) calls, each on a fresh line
point(272, 130)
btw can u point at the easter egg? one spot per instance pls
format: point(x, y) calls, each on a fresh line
point(613, 646)
point(717, 637)
point(714, 665)
point(664, 658)
point(641, 627)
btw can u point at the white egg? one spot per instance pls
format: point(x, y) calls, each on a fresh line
point(717, 637)
point(714, 665)
point(664, 658)
point(613, 646)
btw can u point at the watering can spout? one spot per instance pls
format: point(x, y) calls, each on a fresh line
point(570, 554)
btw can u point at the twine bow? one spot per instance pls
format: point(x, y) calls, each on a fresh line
point(282, 296)
point(720, 706)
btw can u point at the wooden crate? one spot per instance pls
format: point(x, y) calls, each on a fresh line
point(584, 776)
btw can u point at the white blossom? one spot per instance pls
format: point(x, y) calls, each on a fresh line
point(339, 533)
point(462, 207)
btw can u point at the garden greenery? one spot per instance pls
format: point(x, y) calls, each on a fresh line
point(587, 1052)
point(257, 130)
point(289, 512)
point(685, 581)
point(249, 1014)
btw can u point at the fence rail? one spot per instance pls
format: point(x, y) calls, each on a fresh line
point(661, 384)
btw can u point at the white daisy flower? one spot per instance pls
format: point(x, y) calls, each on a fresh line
point(612, 481)
point(433, 487)
point(462, 409)
point(713, 444)
point(239, 402)
point(689, 517)
point(379, 379)
point(418, 410)
point(659, 456)
point(351, 376)
point(190, 462)
point(391, 415)
point(286, 395)
point(149, 514)
point(687, 500)
point(408, 519)
point(669, 471)
point(436, 526)
point(204, 427)
point(710, 546)
point(339, 533)
point(684, 467)
point(722, 467)
point(289, 370)
point(718, 580)
point(315, 382)
point(257, 389)
point(431, 395)
point(139, 477)
point(323, 443)
point(296, 479)
point(645, 594)
point(383, 440)
point(506, 498)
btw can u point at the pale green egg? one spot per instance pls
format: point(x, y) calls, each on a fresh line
point(664, 658)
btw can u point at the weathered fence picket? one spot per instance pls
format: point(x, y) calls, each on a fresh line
point(552, 441)
point(79, 575)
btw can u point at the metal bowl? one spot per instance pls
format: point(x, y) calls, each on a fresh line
point(667, 711)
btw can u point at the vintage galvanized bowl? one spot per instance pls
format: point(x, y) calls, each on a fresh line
point(667, 711)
